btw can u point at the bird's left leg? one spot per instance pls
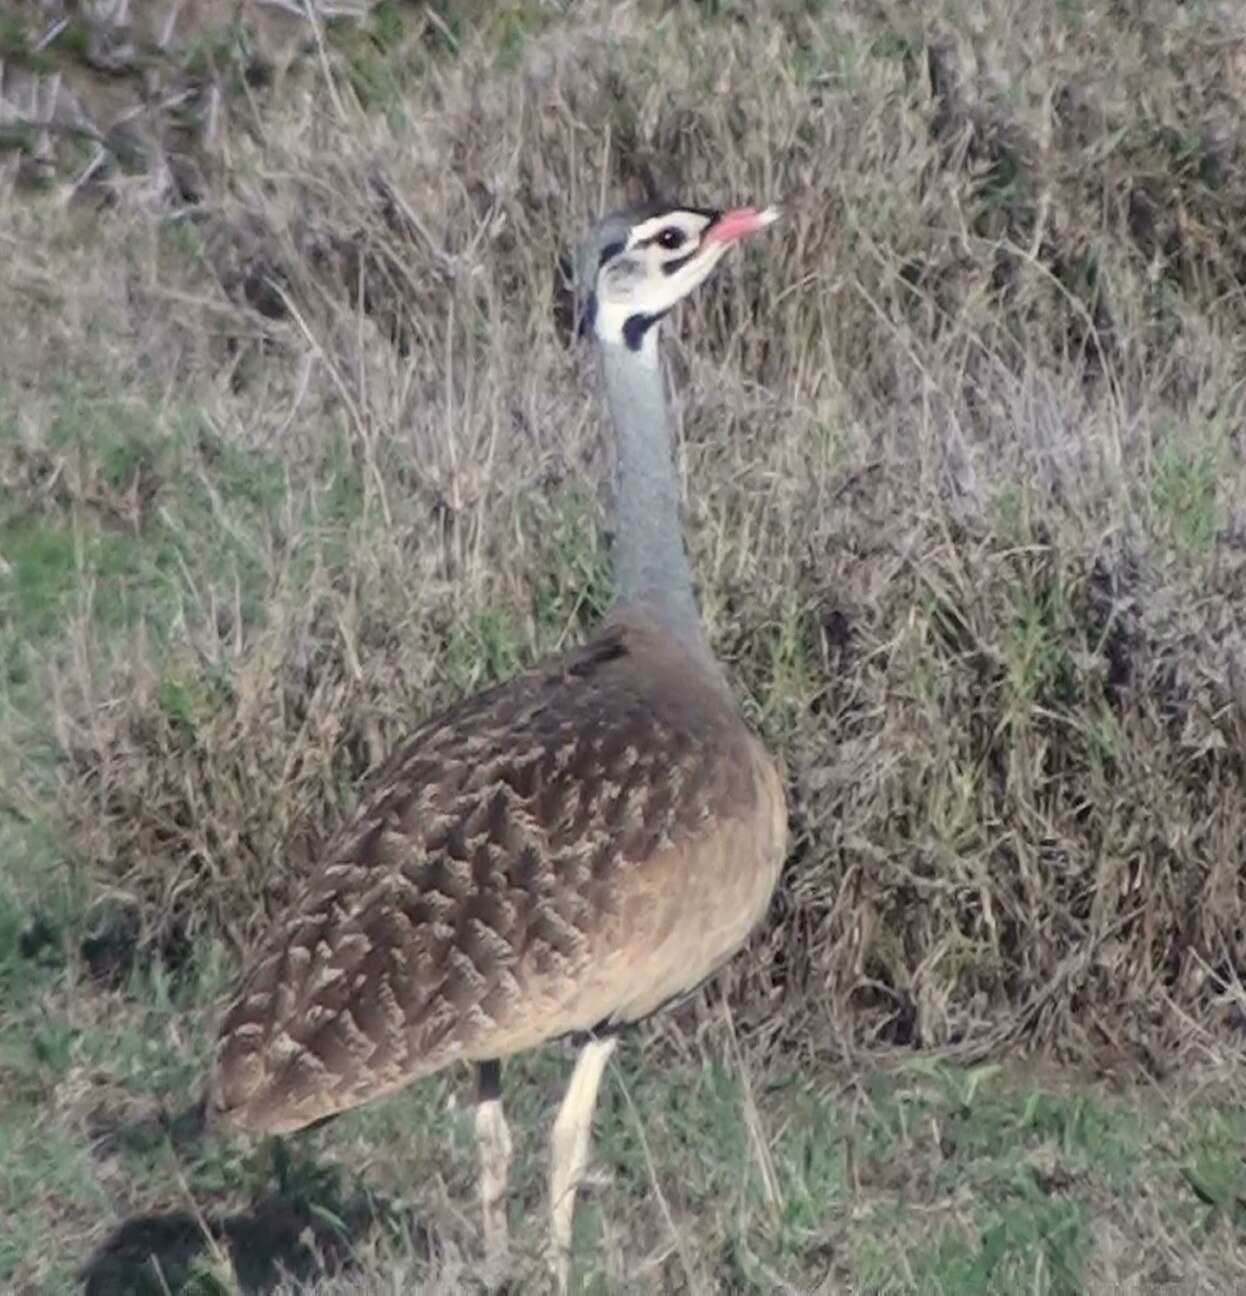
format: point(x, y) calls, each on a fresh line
point(493, 1140)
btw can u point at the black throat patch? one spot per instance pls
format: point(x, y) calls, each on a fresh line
point(636, 326)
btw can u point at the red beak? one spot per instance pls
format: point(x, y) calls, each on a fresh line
point(738, 222)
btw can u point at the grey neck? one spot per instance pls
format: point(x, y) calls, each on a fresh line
point(651, 567)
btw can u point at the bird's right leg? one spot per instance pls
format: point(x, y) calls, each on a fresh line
point(493, 1139)
point(569, 1150)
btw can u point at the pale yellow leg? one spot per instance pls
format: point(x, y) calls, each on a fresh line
point(569, 1150)
point(493, 1139)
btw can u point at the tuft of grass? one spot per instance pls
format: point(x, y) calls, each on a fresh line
point(1185, 493)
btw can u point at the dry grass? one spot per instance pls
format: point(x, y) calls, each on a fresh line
point(295, 449)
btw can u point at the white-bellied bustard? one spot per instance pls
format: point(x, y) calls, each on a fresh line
point(562, 854)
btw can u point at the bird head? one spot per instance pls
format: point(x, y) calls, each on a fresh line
point(640, 262)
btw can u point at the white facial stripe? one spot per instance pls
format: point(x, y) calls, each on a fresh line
point(692, 225)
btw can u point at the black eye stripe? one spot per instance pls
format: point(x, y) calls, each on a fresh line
point(671, 267)
point(612, 250)
point(671, 245)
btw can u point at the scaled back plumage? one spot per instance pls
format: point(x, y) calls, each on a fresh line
point(509, 844)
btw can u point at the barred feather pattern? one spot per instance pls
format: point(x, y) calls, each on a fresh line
point(566, 851)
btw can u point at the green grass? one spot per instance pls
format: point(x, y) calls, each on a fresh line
point(994, 1179)
point(1186, 497)
point(156, 503)
point(16, 46)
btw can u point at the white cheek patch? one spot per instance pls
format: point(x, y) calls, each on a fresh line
point(630, 287)
point(622, 278)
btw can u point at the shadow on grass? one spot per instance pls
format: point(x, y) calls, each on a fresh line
point(310, 1228)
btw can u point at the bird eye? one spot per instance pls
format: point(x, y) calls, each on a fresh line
point(671, 238)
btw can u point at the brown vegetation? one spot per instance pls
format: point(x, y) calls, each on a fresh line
point(963, 454)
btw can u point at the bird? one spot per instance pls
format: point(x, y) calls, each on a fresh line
point(561, 855)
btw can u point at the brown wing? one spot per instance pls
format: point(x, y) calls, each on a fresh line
point(575, 845)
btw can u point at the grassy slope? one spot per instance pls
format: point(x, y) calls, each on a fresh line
point(964, 470)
